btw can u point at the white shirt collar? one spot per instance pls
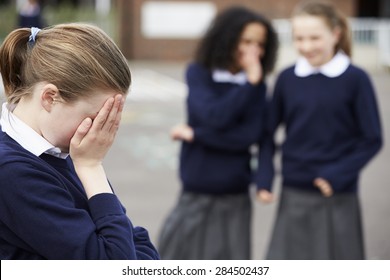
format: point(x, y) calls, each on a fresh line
point(334, 68)
point(27, 137)
point(224, 76)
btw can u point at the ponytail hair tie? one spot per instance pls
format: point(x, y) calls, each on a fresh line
point(34, 32)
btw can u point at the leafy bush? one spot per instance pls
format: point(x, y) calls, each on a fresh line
point(8, 16)
point(61, 14)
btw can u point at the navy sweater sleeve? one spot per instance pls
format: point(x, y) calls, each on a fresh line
point(143, 247)
point(205, 105)
point(45, 219)
point(368, 138)
point(274, 111)
point(242, 133)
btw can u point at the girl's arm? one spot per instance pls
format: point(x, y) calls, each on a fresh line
point(115, 235)
point(44, 219)
point(274, 114)
point(369, 142)
point(240, 136)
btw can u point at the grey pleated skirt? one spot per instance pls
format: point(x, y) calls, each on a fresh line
point(309, 226)
point(207, 227)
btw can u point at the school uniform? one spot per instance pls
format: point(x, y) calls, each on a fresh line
point(212, 217)
point(44, 211)
point(332, 131)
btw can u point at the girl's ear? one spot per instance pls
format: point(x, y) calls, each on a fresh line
point(49, 95)
point(337, 34)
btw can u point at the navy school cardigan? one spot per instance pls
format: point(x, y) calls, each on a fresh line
point(45, 213)
point(227, 119)
point(332, 129)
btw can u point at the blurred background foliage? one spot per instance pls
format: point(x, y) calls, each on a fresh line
point(8, 19)
point(61, 14)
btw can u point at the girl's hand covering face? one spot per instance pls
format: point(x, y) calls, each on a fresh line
point(93, 138)
point(249, 57)
point(250, 63)
point(250, 49)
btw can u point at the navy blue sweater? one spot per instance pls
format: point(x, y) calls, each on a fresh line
point(227, 119)
point(45, 213)
point(332, 129)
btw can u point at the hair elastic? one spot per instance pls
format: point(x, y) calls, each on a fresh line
point(34, 32)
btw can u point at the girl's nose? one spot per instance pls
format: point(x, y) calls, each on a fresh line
point(254, 48)
point(305, 46)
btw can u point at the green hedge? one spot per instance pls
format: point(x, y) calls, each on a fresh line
point(8, 17)
point(61, 14)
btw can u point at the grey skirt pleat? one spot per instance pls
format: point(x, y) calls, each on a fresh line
point(207, 227)
point(309, 226)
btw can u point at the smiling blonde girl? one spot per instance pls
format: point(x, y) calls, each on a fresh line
point(329, 111)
